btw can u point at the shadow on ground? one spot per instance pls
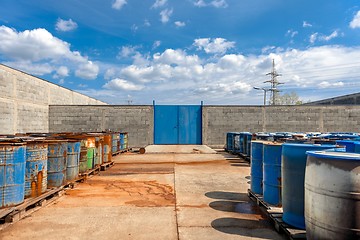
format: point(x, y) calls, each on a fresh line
point(233, 196)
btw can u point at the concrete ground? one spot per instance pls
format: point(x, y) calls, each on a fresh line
point(155, 196)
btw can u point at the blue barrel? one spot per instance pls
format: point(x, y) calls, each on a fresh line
point(241, 142)
point(57, 163)
point(12, 174)
point(247, 143)
point(357, 147)
point(292, 176)
point(36, 169)
point(73, 160)
point(114, 142)
point(256, 165)
point(236, 141)
point(349, 145)
point(230, 141)
point(272, 173)
point(332, 199)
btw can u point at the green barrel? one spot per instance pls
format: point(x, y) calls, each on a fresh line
point(90, 157)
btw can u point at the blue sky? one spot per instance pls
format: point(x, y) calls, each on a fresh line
point(183, 52)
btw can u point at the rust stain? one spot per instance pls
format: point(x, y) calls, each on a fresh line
point(137, 193)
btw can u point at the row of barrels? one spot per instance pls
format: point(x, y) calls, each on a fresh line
point(31, 164)
point(317, 185)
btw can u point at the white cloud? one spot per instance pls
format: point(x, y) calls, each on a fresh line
point(147, 23)
point(38, 69)
point(156, 44)
point(127, 51)
point(65, 25)
point(313, 37)
point(61, 81)
point(177, 76)
point(165, 15)
point(326, 84)
point(88, 71)
point(38, 52)
point(325, 38)
point(118, 4)
point(180, 24)
point(216, 45)
point(355, 23)
point(306, 24)
point(292, 33)
point(121, 84)
point(213, 3)
point(159, 3)
point(62, 71)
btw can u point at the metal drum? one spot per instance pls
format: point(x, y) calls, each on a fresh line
point(73, 159)
point(241, 142)
point(107, 148)
point(36, 169)
point(293, 165)
point(349, 145)
point(256, 165)
point(90, 152)
point(56, 163)
point(123, 141)
point(115, 138)
point(332, 195)
point(83, 156)
point(272, 173)
point(236, 141)
point(230, 141)
point(12, 174)
point(357, 147)
point(247, 143)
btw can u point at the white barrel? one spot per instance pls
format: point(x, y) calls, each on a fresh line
point(332, 195)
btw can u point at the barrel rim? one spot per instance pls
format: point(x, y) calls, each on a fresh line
point(334, 155)
point(306, 145)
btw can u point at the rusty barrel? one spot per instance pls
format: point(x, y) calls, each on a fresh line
point(256, 167)
point(73, 159)
point(36, 168)
point(115, 137)
point(332, 195)
point(12, 174)
point(57, 152)
point(90, 152)
point(107, 148)
point(272, 173)
point(83, 156)
point(293, 164)
point(98, 158)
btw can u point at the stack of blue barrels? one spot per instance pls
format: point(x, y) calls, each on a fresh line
point(317, 185)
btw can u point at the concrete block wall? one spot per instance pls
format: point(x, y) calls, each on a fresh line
point(218, 120)
point(25, 100)
point(136, 120)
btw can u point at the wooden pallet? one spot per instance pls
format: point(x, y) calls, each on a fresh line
point(105, 166)
point(14, 214)
point(90, 172)
point(275, 214)
point(280, 226)
point(258, 199)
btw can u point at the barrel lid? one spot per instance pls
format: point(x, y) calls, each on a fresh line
point(307, 145)
point(334, 155)
point(273, 143)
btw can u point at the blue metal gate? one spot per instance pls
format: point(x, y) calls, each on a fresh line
point(177, 124)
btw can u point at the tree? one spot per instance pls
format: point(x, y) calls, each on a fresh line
point(289, 99)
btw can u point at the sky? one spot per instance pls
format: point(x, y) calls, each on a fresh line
point(185, 51)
